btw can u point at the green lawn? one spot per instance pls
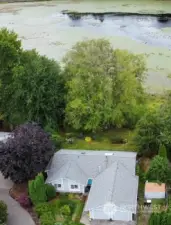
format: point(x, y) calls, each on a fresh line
point(102, 141)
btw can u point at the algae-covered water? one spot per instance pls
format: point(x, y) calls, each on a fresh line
point(44, 27)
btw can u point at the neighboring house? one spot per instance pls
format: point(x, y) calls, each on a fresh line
point(108, 176)
point(154, 191)
point(4, 136)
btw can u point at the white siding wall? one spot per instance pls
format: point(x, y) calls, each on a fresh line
point(154, 195)
point(66, 186)
point(99, 214)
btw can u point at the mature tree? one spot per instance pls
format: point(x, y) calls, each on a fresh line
point(159, 170)
point(10, 50)
point(104, 86)
point(37, 190)
point(26, 153)
point(162, 151)
point(37, 91)
point(148, 133)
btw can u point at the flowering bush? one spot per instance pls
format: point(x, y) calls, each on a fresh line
point(88, 139)
point(24, 200)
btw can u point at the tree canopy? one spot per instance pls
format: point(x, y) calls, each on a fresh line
point(104, 86)
point(26, 153)
point(148, 133)
point(159, 170)
point(153, 129)
point(32, 86)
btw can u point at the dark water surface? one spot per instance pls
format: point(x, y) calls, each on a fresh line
point(146, 29)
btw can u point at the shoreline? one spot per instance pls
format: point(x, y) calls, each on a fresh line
point(80, 14)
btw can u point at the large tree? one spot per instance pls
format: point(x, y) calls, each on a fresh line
point(38, 90)
point(153, 129)
point(159, 170)
point(32, 86)
point(10, 50)
point(26, 153)
point(148, 133)
point(104, 86)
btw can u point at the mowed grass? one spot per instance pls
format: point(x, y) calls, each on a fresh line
point(103, 141)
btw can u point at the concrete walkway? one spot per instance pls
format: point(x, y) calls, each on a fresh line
point(16, 214)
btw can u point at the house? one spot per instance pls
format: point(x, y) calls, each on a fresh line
point(154, 191)
point(107, 176)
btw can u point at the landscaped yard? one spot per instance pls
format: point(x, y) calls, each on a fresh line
point(115, 139)
point(63, 207)
point(75, 204)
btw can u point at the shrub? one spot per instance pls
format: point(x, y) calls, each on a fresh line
point(65, 210)
point(3, 213)
point(57, 140)
point(55, 205)
point(47, 219)
point(71, 196)
point(69, 135)
point(80, 136)
point(70, 203)
point(37, 190)
point(42, 208)
point(162, 151)
point(118, 140)
point(24, 200)
point(50, 191)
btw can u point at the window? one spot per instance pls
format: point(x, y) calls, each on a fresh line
point(74, 186)
point(58, 185)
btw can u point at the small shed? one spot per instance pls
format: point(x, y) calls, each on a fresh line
point(154, 191)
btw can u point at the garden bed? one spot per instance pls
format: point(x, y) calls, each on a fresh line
point(65, 207)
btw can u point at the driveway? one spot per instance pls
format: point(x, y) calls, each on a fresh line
point(16, 214)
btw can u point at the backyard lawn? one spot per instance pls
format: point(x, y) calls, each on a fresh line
point(115, 139)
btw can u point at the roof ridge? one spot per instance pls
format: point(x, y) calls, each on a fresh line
point(81, 169)
point(68, 167)
point(113, 185)
point(134, 176)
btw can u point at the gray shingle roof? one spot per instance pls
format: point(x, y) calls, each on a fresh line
point(115, 185)
point(91, 162)
point(113, 174)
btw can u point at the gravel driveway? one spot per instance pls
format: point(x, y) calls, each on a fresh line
point(16, 214)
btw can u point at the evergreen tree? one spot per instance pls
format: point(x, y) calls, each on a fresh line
point(37, 190)
point(162, 151)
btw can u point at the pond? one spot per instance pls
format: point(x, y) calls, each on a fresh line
point(43, 26)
